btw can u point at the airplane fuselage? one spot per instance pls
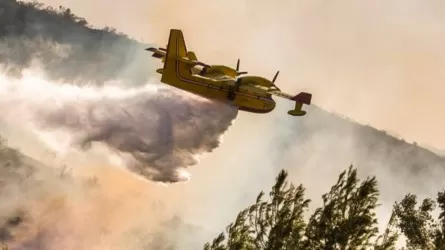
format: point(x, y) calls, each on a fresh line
point(219, 90)
point(220, 82)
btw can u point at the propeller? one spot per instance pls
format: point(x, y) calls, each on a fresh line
point(274, 79)
point(238, 73)
point(237, 69)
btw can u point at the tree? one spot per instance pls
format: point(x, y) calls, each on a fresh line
point(421, 230)
point(346, 220)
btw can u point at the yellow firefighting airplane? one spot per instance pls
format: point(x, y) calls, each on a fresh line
point(249, 93)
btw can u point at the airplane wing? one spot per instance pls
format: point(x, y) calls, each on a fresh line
point(300, 99)
point(193, 62)
point(161, 53)
point(158, 53)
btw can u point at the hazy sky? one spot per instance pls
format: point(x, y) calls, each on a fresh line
point(378, 62)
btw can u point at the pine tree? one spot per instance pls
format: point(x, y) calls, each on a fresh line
point(419, 227)
point(346, 220)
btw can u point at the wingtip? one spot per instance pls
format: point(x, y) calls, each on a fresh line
point(303, 97)
point(296, 112)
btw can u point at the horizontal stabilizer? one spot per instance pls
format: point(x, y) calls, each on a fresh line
point(157, 53)
point(192, 56)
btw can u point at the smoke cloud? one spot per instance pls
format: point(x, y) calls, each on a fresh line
point(161, 133)
point(337, 51)
point(156, 132)
point(75, 88)
point(48, 208)
point(67, 47)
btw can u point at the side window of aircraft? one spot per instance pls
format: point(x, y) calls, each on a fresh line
point(267, 105)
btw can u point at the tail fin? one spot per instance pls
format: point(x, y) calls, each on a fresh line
point(303, 97)
point(175, 49)
point(300, 99)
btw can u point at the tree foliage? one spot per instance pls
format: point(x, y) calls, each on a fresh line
point(421, 229)
point(346, 220)
point(67, 47)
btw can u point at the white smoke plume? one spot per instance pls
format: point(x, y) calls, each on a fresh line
point(155, 131)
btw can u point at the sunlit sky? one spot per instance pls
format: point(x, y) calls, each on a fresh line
point(377, 62)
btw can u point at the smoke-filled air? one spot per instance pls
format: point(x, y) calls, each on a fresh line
point(155, 132)
point(97, 153)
